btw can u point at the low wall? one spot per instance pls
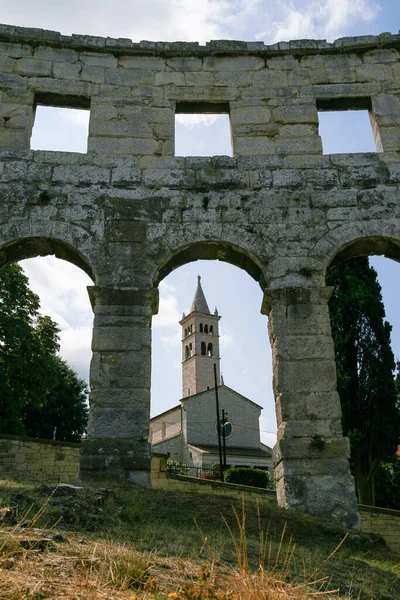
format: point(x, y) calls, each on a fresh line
point(384, 521)
point(38, 461)
point(160, 479)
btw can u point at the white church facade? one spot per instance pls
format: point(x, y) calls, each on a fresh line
point(188, 432)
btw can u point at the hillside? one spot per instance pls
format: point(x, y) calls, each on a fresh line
point(146, 544)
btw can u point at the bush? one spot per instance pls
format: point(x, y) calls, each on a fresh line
point(212, 474)
point(177, 468)
point(251, 477)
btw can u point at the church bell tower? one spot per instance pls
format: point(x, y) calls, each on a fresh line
point(200, 346)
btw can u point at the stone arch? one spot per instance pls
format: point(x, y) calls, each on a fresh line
point(30, 247)
point(365, 246)
point(212, 250)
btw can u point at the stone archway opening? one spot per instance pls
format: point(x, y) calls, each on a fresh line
point(31, 247)
point(365, 279)
point(61, 286)
point(244, 350)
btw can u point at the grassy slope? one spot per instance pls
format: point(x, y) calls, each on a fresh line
point(138, 535)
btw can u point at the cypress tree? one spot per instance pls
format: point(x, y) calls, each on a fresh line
point(365, 370)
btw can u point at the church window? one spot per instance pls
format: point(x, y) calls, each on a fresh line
point(186, 351)
point(203, 349)
point(205, 328)
point(201, 327)
point(190, 350)
point(186, 332)
point(209, 350)
point(163, 429)
point(211, 329)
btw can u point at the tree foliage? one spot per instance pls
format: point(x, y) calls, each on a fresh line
point(38, 391)
point(365, 369)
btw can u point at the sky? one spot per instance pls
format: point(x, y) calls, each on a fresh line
point(245, 350)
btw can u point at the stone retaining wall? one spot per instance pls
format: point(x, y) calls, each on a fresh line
point(38, 461)
point(383, 521)
point(160, 479)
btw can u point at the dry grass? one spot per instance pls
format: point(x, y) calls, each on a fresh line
point(142, 547)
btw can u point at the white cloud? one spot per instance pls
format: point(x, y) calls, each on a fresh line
point(63, 296)
point(74, 116)
point(191, 121)
point(152, 20)
point(75, 345)
point(168, 313)
point(226, 339)
point(327, 19)
point(173, 340)
point(62, 288)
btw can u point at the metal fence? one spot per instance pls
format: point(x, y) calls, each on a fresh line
point(177, 468)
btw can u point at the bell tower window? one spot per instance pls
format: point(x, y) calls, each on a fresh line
point(209, 350)
point(203, 349)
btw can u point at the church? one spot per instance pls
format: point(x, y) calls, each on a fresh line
point(188, 432)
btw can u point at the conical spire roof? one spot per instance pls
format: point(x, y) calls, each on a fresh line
point(199, 303)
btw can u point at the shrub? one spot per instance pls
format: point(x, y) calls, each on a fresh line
point(251, 477)
point(177, 468)
point(213, 474)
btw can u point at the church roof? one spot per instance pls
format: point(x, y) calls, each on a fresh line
point(212, 391)
point(199, 303)
point(259, 451)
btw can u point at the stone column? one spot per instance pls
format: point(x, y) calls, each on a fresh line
point(116, 449)
point(311, 456)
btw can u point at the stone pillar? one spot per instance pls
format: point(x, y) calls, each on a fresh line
point(311, 456)
point(116, 449)
point(385, 120)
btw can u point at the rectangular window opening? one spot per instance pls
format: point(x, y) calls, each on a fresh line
point(346, 126)
point(61, 123)
point(202, 129)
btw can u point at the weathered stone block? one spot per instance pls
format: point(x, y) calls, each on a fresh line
point(86, 174)
point(123, 146)
point(68, 70)
point(296, 114)
point(250, 146)
point(250, 114)
point(299, 145)
point(109, 423)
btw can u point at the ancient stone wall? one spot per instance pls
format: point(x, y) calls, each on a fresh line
point(128, 212)
point(38, 461)
point(384, 521)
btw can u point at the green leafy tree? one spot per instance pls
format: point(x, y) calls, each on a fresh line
point(38, 391)
point(365, 369)
point(65, 408)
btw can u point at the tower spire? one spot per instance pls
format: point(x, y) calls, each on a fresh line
point(200, 346)
point(199, 303)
